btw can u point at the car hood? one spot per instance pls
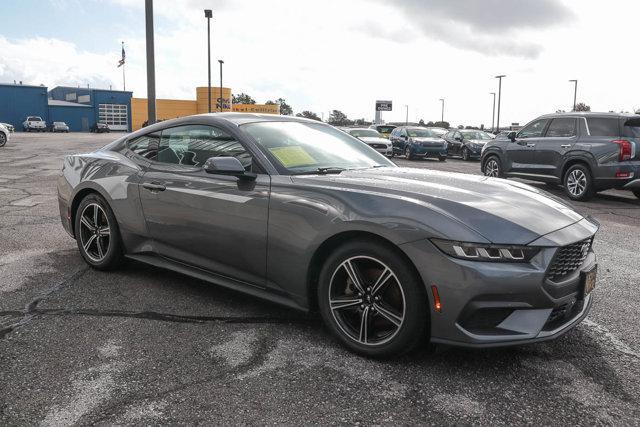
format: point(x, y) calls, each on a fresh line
point(479, 141)
point(374, 140)
point(501, 211)
point(426, 139)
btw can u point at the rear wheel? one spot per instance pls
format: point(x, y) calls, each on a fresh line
point(578, 183)
point(371, 300)
point(97, 233)
point(442, 158)
point(636, 193)
point(3, 139)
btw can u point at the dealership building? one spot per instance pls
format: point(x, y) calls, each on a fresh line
point(81, 108)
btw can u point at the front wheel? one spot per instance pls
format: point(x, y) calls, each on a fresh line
point(578, 183)
point(3, 139)
point(97, 233)
point(372, 300)
point(636, 193)
point(492, 167)
point(407, 153)
point(466, 156)
point(442, 158)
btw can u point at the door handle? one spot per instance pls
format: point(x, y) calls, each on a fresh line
point(154, 187)
point(531, 145)
point(565, 145)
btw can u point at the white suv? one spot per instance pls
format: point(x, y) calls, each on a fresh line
point(4, 135)
point(34, 123)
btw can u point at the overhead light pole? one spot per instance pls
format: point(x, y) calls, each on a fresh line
point(493, 115)
point(221, 97)
point(209, 14)
point(499, 99)
point(406, 119)
point(442, 111)
point(151, 64)
point(575, 92)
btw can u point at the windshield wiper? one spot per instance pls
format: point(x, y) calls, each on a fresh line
point(322, 171)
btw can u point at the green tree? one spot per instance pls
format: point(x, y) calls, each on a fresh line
point(243, 98)
point(581, 106)
point(362, 122)
point(421, 122)
point(285, 109)
point(439, 124)
point(309, 115)
point(338, 118)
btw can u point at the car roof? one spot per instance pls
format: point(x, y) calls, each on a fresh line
point(589, 114)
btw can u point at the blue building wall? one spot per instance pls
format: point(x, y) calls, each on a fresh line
point(19, 101)
point(79, 119)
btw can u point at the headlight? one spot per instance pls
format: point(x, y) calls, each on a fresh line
point(486, 253)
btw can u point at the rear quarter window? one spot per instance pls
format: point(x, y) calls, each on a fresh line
point(603, 126)
point(631, 128)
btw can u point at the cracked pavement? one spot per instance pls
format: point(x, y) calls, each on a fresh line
point(146, 346)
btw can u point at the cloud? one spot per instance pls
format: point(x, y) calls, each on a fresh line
point(488, 26)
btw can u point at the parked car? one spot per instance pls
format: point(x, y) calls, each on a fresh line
point(414, 141)
point(584, 152)
point(373, 139)
point(466, 143)
point(59, 127)
point(299, 213)
point(4, 135)
point(385, 130)
point(100, 128)
point(9, 127)
point(34, 123)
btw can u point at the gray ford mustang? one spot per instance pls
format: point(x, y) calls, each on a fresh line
point(300, 213)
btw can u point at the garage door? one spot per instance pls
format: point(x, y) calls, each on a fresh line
point(114, 115)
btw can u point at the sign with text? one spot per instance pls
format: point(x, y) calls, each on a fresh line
point(383, 105)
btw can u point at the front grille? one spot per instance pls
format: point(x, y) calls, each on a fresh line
point(568, 259)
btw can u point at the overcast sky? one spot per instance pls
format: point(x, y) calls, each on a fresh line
point(338, 54)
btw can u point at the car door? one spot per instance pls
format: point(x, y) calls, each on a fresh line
point(559, 138)
point(521, 153)
point(456, 143)
point(214, 222)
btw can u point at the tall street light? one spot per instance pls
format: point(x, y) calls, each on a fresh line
point(208, 14)
point(442, 112)
point(493, 113)
point(575, 93)
point(221, 97)
point(406, 119)
point(499, 99)
point(151, 63)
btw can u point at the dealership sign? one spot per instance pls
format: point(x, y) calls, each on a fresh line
point(383, 105)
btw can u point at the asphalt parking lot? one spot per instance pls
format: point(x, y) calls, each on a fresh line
point(145, 346)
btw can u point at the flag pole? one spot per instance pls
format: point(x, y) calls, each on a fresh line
point(124, 81)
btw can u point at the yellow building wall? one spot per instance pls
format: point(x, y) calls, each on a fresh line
point(173, 108)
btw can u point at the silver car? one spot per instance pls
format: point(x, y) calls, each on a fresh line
point(302, 214)
point(372, 138)
point(59, 127)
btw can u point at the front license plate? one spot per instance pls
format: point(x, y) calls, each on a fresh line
point(590, 280)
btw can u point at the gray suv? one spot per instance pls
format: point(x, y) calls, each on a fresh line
point(585, 152)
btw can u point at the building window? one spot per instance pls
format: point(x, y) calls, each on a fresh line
point(114, 115)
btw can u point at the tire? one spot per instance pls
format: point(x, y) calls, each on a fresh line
point(466, 156)
point(492, 167)
point(91, 239)
point(578, 183)
point(396, 322)
point(3, 139)
point(407, 153)
point(442, 158)
point(636, 193)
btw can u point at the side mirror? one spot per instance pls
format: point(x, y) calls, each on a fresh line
point(227, 166)
point(404, 137)
point(458, 138)
point(512, 136)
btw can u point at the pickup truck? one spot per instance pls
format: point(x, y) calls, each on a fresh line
point(34, 123)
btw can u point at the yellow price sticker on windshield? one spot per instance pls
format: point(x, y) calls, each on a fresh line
point(292, 156)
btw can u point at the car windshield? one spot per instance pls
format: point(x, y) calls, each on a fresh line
point(59, 123)
point(438, 131)
point(385, 129)
point(364, 133)
point(300, 147)
point(475, 135)
point(34, 119)
point(422, 133)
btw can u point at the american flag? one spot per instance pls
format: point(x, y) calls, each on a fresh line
point(121, 62)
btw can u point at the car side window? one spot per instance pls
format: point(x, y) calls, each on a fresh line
point(192, 145)
point(146, 145)
point(563, 127)
point(603, 126)
point(533, 130)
